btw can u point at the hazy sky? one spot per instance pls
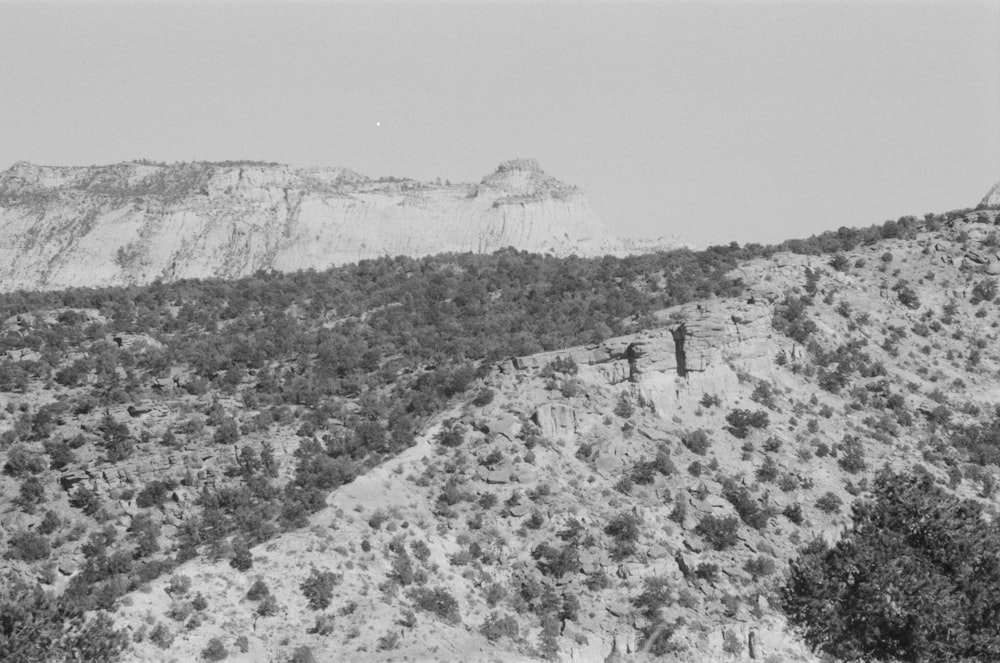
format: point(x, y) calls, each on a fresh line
point(715, 121)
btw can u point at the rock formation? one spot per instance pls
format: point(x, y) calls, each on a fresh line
point(136, 222)
point(992, 198)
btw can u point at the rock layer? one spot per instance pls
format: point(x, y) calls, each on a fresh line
point(137, 222)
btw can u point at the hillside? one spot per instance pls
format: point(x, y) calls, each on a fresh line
point(137, 222)
point(671, 432)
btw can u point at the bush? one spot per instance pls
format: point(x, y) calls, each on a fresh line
point(37, 626)
point(932, 553)
point(318, 588)
point(496, 627)
point(852, 457)
point(719, 532)
point(741, 421)
point(302, 654)
point(161, 636)
point(438, 601)
point(268, 606)
point(768, 471)
point(483, 397)
point(794, 513)
point(829, 503)
point(86, 500)
point(749, 509)
point(624, 407)
point(697, 442)
point(451, 434)
point(984, 291)
point(28, 546)
point(21, 461)
point(760, 566)
point(179, 585)
point(214, 651)
point(710, 400)
point(153, 494)
point(764, 394)
point(242, 559)
point(906, 295)
point(624, 529)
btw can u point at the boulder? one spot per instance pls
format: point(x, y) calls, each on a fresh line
point(504, 424)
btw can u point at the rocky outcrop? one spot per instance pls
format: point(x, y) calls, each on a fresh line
point(557, 421)
point(992, 197)
point(700, 349)
point(137, 222)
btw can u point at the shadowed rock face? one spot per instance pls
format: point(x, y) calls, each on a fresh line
point(680, 356)
point(133, 223)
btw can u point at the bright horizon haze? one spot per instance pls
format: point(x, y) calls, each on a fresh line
point(716, 122)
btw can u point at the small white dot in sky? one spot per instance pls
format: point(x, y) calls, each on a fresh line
point(378, 124)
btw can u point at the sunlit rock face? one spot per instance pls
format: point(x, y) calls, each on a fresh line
point(992, 198)
point(133, 223)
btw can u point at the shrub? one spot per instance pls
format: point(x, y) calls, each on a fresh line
point(710, 400)
point(162, 636)
point(829, 503)
point(624, 529)
point(852, 457)
point(906, 295)
point(438, 601)
point(496, 627)
point(760, 566)
point(764, 394)
point(697, 442)
point(839, 262)
point(794, 513)
point(324, 625)
point(740, 421)
point(984, 291)
point(21, 461)
point(768, 471)
point(214, 651)
point(624, 407)
point(483, 397)
point(302, 654)
point(719, 532)
point(560, 364)
point(179, 585)
point(86, 500)
point(28, 546)
point(932, 553)
point(451, 434)
point(318, 588)
point(749, 509)
point(242, 559)
point(268, 606)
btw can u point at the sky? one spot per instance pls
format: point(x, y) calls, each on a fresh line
point(713, 121)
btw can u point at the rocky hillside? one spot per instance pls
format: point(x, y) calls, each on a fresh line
point(137, 222)
point(643, 493)
point(271, 471)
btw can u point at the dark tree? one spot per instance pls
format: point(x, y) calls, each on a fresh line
point(916, 578)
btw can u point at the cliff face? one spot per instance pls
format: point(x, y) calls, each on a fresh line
point(138, 222)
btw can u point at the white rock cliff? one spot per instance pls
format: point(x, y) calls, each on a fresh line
point(133, 223)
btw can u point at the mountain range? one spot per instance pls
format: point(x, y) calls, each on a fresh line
point(138, 222)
